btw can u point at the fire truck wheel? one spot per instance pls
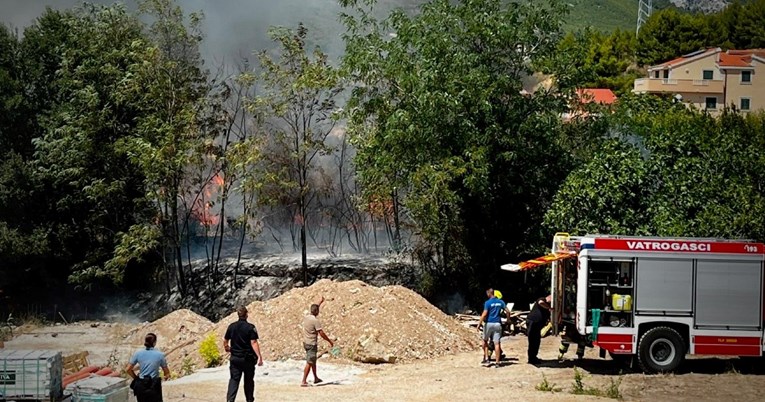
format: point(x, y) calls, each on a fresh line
point(661, 349)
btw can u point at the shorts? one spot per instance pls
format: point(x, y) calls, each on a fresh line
point(492, 331)
point(311, 352)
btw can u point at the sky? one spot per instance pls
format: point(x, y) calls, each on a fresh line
point(233, 28)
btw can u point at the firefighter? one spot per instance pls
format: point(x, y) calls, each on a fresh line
point(569, 336)
point(536, 320)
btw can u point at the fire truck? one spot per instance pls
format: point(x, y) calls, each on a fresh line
point(658, 299)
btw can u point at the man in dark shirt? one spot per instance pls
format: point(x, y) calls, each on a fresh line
point(536, 320)
point(245, 353)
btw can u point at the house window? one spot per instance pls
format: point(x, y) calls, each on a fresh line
point(745, 103)
point(711, 103)
point(656, 74)
point(746, 77)
point(666, 74)
point(708, 74)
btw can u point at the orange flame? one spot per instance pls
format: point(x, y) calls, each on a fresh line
point(202, 209)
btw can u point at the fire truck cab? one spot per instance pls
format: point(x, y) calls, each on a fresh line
point(658, 299)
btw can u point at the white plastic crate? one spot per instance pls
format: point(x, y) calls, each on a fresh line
point(30, 374)
point(115, 395)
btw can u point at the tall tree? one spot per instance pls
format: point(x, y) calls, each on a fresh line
point(27, 79)
point(608, 60)
point(744, 24)
point(670, 33)
point(299, 92)
point(169, 86)
point(440, 118)
point(89, 188)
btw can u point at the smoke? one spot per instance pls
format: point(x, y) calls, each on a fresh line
point(452, 303)
point(233, 29)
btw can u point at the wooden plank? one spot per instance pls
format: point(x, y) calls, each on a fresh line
point(75, 362)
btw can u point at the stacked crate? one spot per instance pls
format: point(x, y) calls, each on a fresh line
point(99, 389)
point(30, 374)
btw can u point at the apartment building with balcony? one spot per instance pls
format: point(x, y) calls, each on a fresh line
point(711, 79)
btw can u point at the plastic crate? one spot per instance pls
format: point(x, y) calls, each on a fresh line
point(30, 374)
point(117, 395)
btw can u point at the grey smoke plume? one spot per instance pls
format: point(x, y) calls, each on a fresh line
point(233, 28)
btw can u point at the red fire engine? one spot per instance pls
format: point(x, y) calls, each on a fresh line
point(658, 299)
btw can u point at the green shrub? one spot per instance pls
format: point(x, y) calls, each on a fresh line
point(578, 384)
point(613, 389)
point(546, 385)
point(208, 349)
point(187, 366)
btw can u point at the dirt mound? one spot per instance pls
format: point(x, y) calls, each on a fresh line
point(392, 318)
point(181, 327)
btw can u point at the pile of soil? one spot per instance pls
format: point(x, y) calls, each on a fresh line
point(176, 333)
point(398, 319)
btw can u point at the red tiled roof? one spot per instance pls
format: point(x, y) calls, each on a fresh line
point(685, 58)
point(758, 52)
point(672, 62)
point(602, 96)
point(734, 60)
point(739, 58)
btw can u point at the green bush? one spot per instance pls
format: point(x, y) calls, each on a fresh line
point(208, 349)
point(187, 366)
point(610, 391)
point(546, 385)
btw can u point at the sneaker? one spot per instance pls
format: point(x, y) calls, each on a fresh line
point(535, 361)
point(485, 361)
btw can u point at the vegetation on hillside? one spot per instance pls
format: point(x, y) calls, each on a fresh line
point(607, 15)
point(669, 33)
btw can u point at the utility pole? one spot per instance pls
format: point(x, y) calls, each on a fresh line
point(645, 8)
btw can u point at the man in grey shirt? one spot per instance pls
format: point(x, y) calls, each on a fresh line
point(311, 329)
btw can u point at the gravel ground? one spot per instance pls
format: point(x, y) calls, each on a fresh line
point(461, 377)
point(456, 376)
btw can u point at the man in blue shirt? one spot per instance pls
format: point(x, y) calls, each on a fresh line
point(147, 385)
point(493, 328)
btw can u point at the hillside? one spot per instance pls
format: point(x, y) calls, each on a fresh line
point(604, 15)
point(607, 15)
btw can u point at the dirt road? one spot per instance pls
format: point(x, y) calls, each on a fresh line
point(461, 377)
point(452, 377)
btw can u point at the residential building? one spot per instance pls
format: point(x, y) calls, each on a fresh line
point(711, 79)
point(601, 96)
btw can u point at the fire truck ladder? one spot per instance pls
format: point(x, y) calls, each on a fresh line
point(563, 248)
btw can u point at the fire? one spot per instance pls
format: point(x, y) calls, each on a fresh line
point(380, 208)
point(202, 208)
